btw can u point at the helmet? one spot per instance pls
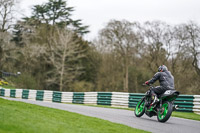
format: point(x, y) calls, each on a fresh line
point(162, 68)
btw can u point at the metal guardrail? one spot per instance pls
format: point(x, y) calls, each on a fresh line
point(186, 103)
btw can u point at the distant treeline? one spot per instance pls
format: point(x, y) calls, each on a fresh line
point(50, 51)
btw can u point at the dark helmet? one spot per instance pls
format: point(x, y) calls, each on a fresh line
point(162, 68)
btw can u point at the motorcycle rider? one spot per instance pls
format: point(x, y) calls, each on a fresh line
point(166, 80)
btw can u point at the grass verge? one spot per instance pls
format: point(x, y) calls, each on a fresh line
point(17, 117)
point(186, 115)
point(7, 86)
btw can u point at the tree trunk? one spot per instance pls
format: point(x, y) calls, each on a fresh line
point(126, 77)
point(62, 69)
point(61, 82)
point(136, 85)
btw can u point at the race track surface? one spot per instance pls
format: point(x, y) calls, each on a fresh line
point(126, 117)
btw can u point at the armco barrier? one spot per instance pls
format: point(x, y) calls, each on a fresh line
point(78, 97)
point(12, 93)
point(32, 94)
point(25, 94)
point(120, 99)
point(47, 96)
point(2, 92)
point(7, 93)
point(196, 102)
point(67, 97)
point(104, 98)
point(39, 95)
point(18, 93)
point(57, 95)
point(90, 97)
point(186, 103)
point(134, 98)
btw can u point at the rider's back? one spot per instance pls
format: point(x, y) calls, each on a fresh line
point(166, 80)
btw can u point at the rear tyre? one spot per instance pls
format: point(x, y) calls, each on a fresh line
point(166, 110)
point(140, 108)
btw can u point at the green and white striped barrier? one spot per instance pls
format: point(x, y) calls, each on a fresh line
point(186, 103)
point(104, 98)
point(196, 102)
point(120, 99)
point(67, 97)
point(90, 97)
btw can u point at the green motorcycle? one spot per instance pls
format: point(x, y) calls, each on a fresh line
point(162, 109)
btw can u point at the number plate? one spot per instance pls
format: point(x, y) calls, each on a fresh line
point(167, 92)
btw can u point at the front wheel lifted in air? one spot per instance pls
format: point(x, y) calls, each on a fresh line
point(140, 108)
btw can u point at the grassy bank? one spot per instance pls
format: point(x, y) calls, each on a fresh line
point(186, 115)
point(17, 117)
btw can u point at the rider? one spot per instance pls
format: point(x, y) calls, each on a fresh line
point(166, 80)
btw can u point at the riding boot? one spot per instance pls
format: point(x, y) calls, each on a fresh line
point(155, 99)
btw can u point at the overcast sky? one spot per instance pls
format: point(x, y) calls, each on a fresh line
point(96, 13)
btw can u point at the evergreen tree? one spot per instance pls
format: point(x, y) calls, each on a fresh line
point(17, 35)
point(56, 12)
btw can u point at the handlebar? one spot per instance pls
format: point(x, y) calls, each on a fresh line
point(147, 84)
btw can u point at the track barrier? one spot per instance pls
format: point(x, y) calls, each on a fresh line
point(186, 103)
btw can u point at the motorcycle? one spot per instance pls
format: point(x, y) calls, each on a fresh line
point(162, 109)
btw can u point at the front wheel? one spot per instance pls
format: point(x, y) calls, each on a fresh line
point(165, 112)
point(140, 108)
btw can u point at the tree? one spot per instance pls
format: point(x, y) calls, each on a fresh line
point(158, 40)
point(18, 35)
point(193, 44)
point(56, 12)
point(6, 12)
point(6, 49)
point(64, 59)
point(109, 75)
point(119, 36)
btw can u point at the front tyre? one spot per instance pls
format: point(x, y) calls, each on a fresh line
point(140, 108)
point(165, 112)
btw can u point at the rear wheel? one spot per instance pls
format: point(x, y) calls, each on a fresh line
point(140, 108)
point(165, 112)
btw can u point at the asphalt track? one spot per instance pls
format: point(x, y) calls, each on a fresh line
point(126, 117)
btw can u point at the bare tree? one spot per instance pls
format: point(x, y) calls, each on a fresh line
point(193, 44)
point(6, 14)
point(159, 40)
point(119, 36)
point(6, 48)
point(5, 18)
point(64, 56)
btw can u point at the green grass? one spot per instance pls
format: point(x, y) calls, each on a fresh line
point(17, 117)
point(187, 115)
point(7, 86)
